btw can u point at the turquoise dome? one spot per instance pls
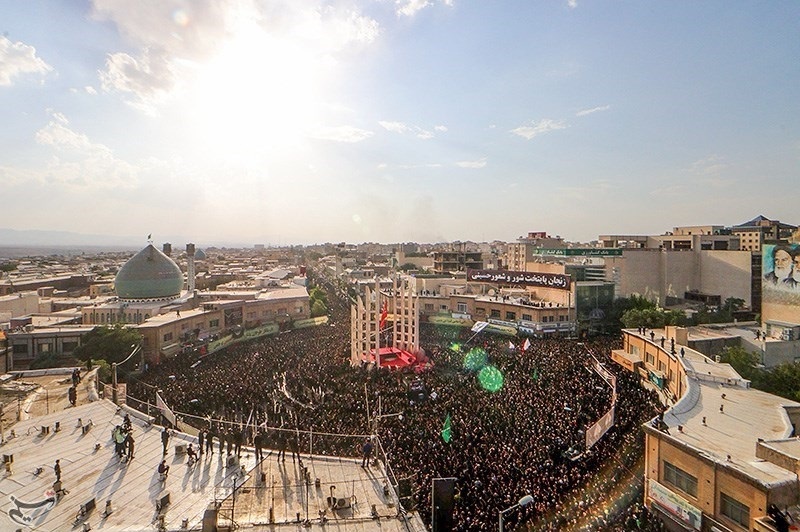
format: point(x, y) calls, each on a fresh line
point(149, 275)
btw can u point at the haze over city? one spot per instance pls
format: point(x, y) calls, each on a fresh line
point(425, 120)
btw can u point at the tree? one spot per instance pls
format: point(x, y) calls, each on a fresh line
point(408, 266)
point(318, 308)
point(112, 343)
point(652, 318)
point(742, 360)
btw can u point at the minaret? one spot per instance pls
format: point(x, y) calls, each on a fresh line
point(190, 274)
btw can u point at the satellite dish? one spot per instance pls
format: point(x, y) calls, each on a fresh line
point(492, 291)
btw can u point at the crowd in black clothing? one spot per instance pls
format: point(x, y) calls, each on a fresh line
point(526, 438)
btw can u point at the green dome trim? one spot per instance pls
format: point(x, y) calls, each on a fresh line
point(149, 275)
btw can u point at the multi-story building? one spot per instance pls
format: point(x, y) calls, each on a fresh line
point(754, 233)
point(458, 260)
point(722, 454)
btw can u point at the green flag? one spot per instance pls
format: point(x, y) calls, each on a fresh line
point(447, 432)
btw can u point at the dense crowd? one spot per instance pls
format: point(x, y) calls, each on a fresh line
point(525, 438)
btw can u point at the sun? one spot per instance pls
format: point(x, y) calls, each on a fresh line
point(259, 93)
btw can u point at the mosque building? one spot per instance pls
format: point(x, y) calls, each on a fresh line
point(154, 297)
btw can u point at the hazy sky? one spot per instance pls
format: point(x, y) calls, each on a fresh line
point(396, 120)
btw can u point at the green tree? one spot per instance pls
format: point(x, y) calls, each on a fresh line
point(318, 308)
point(408, 266)
point(743, 361)
point(652, 318)
point(318, 294)
point(8, 266)
point(111, 343)
point(782, 380)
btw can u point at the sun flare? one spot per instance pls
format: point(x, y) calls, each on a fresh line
point(258, 93)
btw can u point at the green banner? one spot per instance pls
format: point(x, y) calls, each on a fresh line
point(310, 322)
point(578, 252)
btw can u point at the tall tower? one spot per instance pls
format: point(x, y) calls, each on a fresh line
point(190, 273)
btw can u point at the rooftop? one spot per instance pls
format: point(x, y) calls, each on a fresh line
point(92, 471)
point(720, 427)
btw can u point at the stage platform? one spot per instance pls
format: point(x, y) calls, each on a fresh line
point(392, 357)
point(92, 472)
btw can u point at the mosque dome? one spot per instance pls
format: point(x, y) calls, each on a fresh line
point(199, 255)
point(149, 275)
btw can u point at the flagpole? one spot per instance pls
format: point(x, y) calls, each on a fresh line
point(377, 318)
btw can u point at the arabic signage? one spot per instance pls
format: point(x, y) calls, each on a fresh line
point(675, 505)
point(578, 252)
point(547, 280)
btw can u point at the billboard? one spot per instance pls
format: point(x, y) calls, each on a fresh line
point(547, 280)
point(780, 282)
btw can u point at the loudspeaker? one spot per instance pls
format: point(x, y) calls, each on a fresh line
point(442, 502)
point(163, 502)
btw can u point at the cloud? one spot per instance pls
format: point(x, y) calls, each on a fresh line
point(572, 4)
point(710, 166)
point(172, 41)
point(396, 127)
point(148, 78)
point(90, 90)
point(409, 8)
point(402, 128)
point(79, 161)
point(480, 163)
point(17, 59)
point(341, 134)
point(543, 126)
point(585, 112)
point(440, 128)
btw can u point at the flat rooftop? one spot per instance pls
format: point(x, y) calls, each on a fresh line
point(746, 415)
point(92, 471)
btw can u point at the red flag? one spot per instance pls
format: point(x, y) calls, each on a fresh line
point(384, 313)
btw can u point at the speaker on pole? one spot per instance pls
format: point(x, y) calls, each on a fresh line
point(442, 502)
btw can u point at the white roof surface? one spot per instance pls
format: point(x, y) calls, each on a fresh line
point(746, 416)
point(96, 473)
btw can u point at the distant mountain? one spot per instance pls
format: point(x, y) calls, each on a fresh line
point(14, 237)
point(18, 243)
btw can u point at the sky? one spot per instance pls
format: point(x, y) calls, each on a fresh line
point(294, 121)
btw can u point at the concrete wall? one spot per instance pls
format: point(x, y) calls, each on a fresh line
point(20, 304)
point(656, 274)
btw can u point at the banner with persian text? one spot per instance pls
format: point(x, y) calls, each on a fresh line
point(547, 280)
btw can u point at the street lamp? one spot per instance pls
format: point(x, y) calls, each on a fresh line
point(525, 501)
point(114, 395)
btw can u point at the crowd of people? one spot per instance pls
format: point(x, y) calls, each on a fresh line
point(526, 438)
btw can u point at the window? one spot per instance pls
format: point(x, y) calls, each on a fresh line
point(168, 337)
point(527, 317)
point(511, 316)
point(213, 323)
point(495, 313)
point(650, 358)
point(480, 310)
point(20, 349)
point(680, 479)
point(429, 306)
point(444, 307)
point(562, 318)
point(734, 510)
point(461, 307)
point(69, 347)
